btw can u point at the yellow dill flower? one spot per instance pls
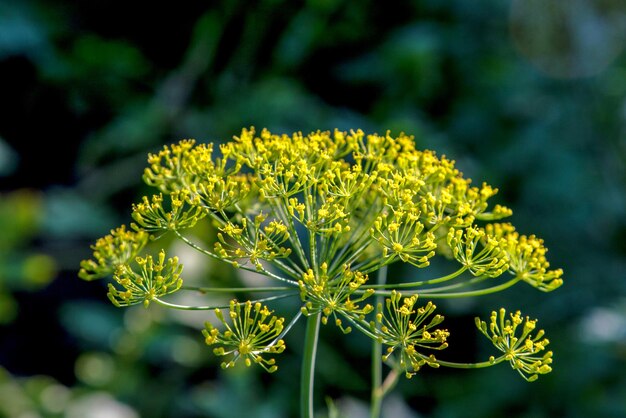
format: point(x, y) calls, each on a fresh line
point(522, 350)
point(255, 241)
point(166, 170)
point(112, 251)
point(402, 236)
point(217, 192)
point(406, 328)
point(527, 257)
point(482, 254)
point(250, 334)
point(151, 216)
point(332, 295)
point(319, 213)
point(153, 280)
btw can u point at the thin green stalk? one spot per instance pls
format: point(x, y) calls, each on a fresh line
point(240, 289)
point(188, 308)
point(313, 249)
point(354, 246)
point(368, 266)
point(308, 365)
point(198, 248)
point(432, 295)
point(377, 352)
point(208, 308)
point(480, 365)
point(466, 283)
point(472, 293)
point(421, 283)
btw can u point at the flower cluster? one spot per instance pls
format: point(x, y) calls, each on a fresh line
point(331, 295)
point(112, 252)
point(153, 280)
point(152, 217)
point(519, 350)
point(491, 260)
point(319, 214)
point(406, 328)
point(252, 241)
point(253, 333)
point(527, 257)
point(401, 236)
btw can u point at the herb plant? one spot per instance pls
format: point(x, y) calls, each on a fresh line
point(319, 216)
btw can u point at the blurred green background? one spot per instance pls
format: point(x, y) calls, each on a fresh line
point(527, 95)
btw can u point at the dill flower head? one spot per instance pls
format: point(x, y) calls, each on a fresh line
point(111, 252)
point(319, 214)
point(480, 253)
point(527, 257)
point(335, 295)
point(512, 335)
point(146, 280)
point(408, 329)
point(251, 334)
point(151, 216)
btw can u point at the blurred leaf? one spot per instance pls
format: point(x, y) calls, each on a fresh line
point(20, 217)
point(92, 323)
point(94, 56)
point(20, 32)
point(8, 159)
point(39, 270)
point(8, 307)
point(68, 214)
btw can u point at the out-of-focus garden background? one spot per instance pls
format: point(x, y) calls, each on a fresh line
point(527, 95)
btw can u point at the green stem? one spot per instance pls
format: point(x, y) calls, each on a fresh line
point(313, 248)
point(238, 289)
point(187, 308)
point(377, 352)
point(480, 365)
point(467, 283)
point(421, 283)
point(308, 365)
point(208, 308)
point(472, 293)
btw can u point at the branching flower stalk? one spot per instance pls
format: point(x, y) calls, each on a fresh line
point(317, 215)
